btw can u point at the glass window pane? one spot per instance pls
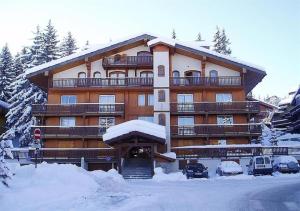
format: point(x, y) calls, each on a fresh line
point(68, 99)
point(224, 97)
point(146, 118)
point(185, 98)
point(150, 100)
point(225, 120)
point(141, 100)
point(182, 121)
point(67, 121)
point(107, 99)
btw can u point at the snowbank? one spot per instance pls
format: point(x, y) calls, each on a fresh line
point(160, 176)
point(230, 167)
point(285, 159)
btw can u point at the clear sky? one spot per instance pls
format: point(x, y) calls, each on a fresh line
point(263, 32)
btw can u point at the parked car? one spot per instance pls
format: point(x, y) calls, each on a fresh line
point(193, 170)
point(286, 164)
point(227, 168)
point(260, 165)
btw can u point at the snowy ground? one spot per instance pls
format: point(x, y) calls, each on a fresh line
point(67, 187)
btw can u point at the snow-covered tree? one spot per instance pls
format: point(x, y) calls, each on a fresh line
point(50, 43)
point(7, 73)
point(86, 46)
point(221, 42)
point(68, 45)
point(5, 174)
point(199, 37)
point(173, 34)
point(37, 49)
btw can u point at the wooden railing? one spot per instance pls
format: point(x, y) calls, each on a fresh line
point(206, 81)
point(128, 61)
point(216, 130)
point(100, 82)
point(78, 109)
point(215, 107)
point(71, 132)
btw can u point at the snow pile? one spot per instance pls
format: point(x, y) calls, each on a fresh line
point(170, 155)
point(285, 159)
point(160, 176)
point(135, 125)
point(53, 186)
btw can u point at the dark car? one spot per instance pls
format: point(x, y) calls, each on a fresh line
point(286, 164)
point(194, 170)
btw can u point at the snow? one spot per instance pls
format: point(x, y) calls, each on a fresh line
point(135, 126)
point(171, 42)
point(4, 104)
point(219, 146)
point(230, 167)
point(287, 100)
point(170, 155)
point(285, 159)
point(68, 187)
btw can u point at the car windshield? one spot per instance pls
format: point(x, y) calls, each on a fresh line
point(193, 167)
point(260, 160)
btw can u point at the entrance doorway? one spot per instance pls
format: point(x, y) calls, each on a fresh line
point(139, 152)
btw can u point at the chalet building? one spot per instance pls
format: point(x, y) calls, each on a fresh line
point(3, 110)
point(197, 94)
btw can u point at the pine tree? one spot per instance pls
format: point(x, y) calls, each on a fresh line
point(173, 34)
point(86, 46)
point(37, 49)
point(7, 73)
point(50, 46)
point(68, 45)
point(221, 42)
point(5, 174)
point(199, 37)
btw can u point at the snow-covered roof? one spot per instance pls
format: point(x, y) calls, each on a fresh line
point(4, 104)
point(159, 40)
point(287, 100)
point(140, 126)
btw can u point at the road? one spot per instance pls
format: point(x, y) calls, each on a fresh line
point(282, 198)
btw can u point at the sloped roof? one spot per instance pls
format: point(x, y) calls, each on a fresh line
point(253, 76)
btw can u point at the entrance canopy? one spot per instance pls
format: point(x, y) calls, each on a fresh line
point(135, 130)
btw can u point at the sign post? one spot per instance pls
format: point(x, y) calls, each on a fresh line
point(37, 143)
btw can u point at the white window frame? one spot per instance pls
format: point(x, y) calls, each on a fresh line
point(150, 100)
point(225, 120)
point(108, 96)
point(142, 102)
point(223, 97)
point(61, 120)
point(68, 99)
point(186, 129)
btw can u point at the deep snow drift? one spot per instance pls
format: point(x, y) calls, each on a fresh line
point(68, 187)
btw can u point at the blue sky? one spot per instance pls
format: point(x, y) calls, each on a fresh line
point(263, 32)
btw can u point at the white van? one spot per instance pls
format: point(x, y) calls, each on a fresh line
point(260, 165)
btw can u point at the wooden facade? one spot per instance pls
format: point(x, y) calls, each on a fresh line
point(134, 82)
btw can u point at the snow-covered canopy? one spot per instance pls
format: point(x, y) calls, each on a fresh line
point(124, 131)
point(4, 104)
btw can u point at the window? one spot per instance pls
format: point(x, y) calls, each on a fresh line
point(213, 73)
point(107, 103)
point(223, 97)
point(185, 125)
point(68, 99)
point(161, 96)
point(193, 73)
point(67, 121)
point(161, 71)
point(97, 74)
point(176, 74)
point(222, 142)
point(141, 100)
point(117, 78)
point(150, 100)
point(146, 74)
point(117, 58)
point(225, 120)
point(146, 118)
point(162, 119)
point(144, 53)
point(81, 75)
point(106, 122)
point(185, 102)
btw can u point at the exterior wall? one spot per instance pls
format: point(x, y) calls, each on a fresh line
point(183, 63)
point(222, 71)
point(71, 73)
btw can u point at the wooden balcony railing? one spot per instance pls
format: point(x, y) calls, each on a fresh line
point(100, 82)
point(206, 81)
point(128, 62)
point(216, 130)
point(71, 132)
point(88, 109)
point(215, 107)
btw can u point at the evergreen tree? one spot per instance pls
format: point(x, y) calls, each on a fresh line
point(37, 49)
point(68, 45)
point(199, 37)
point(221, 42)
point(173, 34)
point(86, 46)
point(7, 73)
point(50, 43)
point(5, 174)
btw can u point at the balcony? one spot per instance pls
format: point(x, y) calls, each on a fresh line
point(76, 132)
point(101, 82)
point(85, 109)
point(215, 108)
point(226, 81)
point(143, 62)
point(215, 130)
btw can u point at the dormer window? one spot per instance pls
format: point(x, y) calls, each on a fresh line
point(81, 75)
point(161, 71)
